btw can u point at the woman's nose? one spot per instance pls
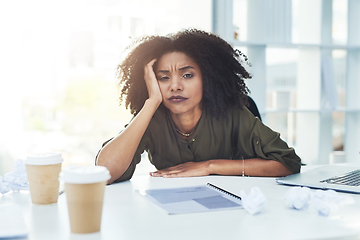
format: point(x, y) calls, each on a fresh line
point(176, 84)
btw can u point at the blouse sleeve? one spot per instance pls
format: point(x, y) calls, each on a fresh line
point(136, 159)
point(256, 140)
point(131, 169)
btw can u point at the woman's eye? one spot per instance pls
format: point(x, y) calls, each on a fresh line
point(187, 75)
point(164, 78)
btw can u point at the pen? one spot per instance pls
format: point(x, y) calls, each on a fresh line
point(224, 191)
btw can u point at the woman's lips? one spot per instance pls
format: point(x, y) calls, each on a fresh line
point(177, 98)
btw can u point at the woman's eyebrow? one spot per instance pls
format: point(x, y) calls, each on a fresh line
point(180, 69)
point(185, 68)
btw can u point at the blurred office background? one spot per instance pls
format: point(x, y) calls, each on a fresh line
point(58, 59)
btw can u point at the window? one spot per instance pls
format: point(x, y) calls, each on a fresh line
point(305, 59)
point(58, 88)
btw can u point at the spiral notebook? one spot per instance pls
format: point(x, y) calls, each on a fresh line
point(192, 199)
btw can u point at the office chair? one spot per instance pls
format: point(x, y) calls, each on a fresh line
point(253, 108)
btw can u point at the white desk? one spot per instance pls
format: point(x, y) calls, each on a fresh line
point(127, 215)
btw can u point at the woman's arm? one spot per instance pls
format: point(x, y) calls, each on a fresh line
point(117, 155)
point(251, 167)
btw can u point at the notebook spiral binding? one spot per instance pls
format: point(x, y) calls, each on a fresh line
point(224, 191)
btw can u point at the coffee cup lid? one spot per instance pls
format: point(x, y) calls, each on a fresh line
point(44, 159)
point(84, 174)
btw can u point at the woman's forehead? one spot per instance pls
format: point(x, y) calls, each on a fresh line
point(175, 59)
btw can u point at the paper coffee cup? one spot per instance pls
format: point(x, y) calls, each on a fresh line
point(84, 188)
point(43, 176)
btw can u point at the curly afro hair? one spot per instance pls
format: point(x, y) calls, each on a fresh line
point(221, 66)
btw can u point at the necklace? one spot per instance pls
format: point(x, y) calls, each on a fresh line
point(184, 134)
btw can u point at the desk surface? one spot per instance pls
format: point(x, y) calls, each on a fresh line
point(128, 215)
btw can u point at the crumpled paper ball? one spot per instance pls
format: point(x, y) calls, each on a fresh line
point(15, 180)
point(254, 202)
point(325, 202)
point(297, 197)
point(4, 186)
point(329, 201)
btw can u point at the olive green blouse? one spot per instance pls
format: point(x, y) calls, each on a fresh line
point(235, 136)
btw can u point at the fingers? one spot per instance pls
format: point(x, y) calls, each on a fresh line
point(151, 63)
point(148, 70)
point(189, 169)
point(166, 172)
point(149, 67)
point(169, 175)
point(151, 82)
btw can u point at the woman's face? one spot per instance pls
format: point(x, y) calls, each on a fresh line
point(180, 82)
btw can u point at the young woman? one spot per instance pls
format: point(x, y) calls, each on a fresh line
point(188, 97)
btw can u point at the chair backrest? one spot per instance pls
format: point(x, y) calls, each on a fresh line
point(253, 108)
